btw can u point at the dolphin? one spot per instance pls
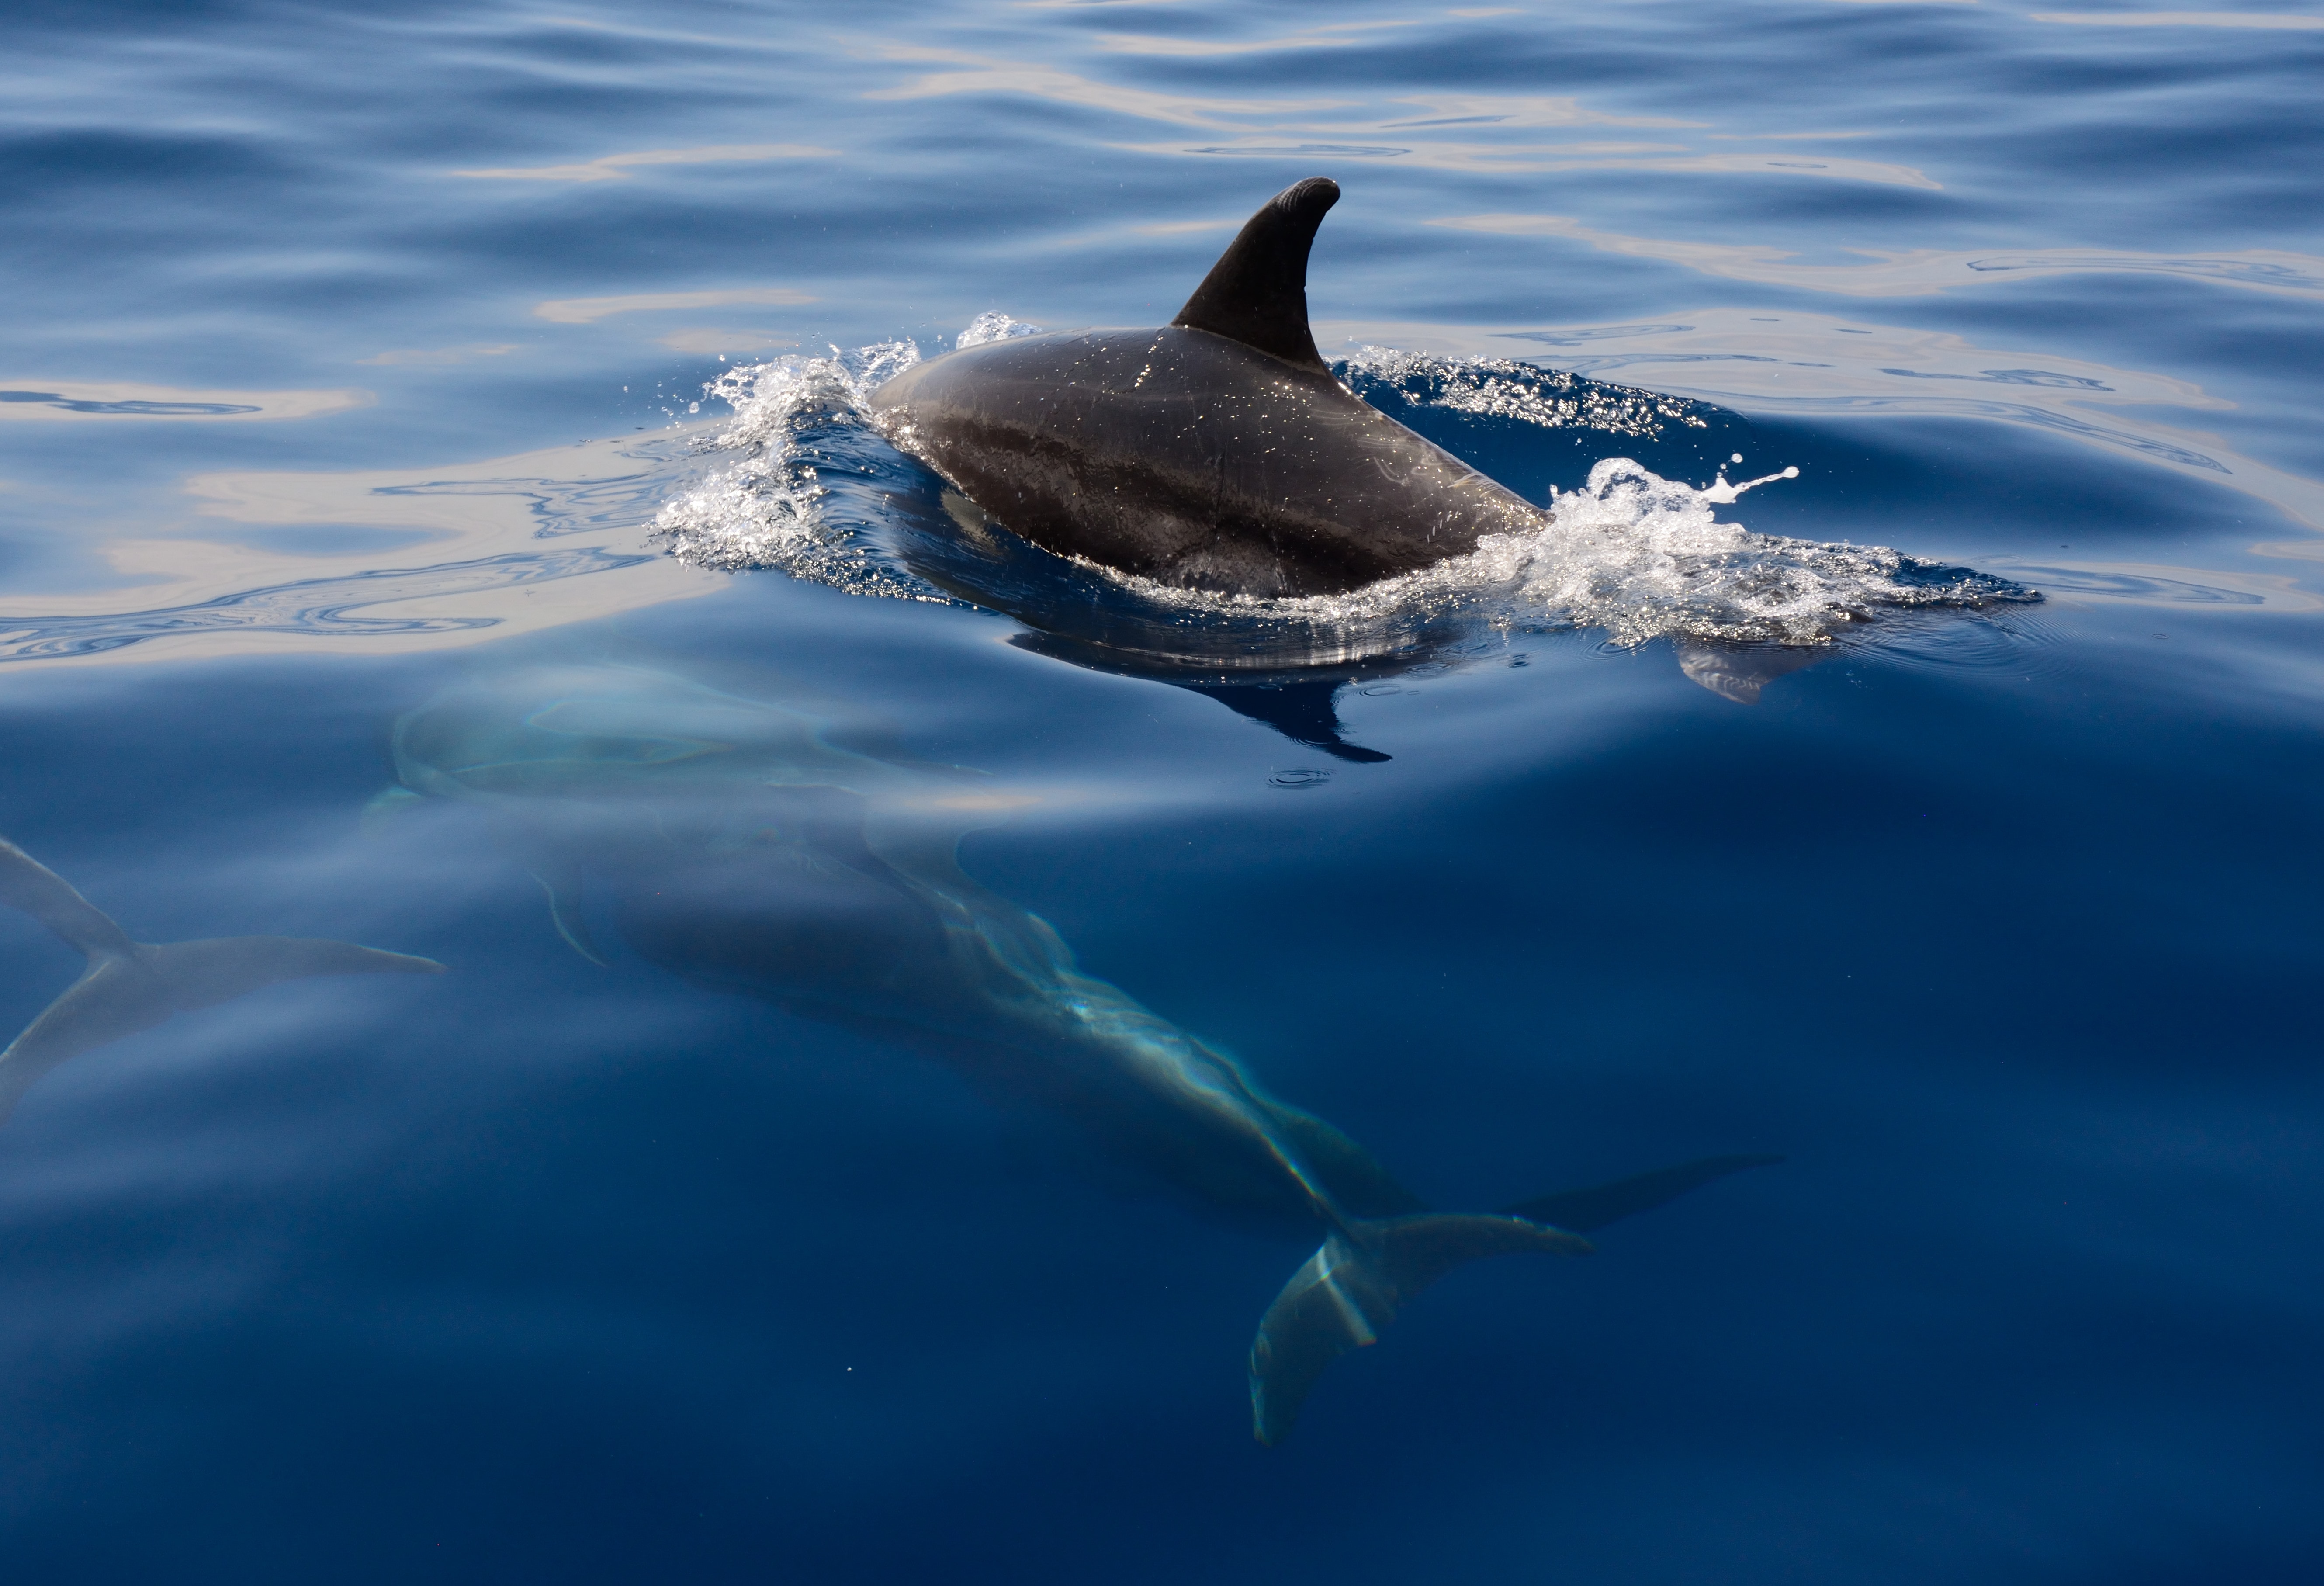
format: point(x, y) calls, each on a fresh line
point(1217, 452)
point(769, 849)
point(130, 985)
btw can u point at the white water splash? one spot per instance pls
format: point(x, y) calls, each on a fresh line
point(766, 510)
point(992, 325)
point(1502, 388)
point(1643, 557)
point(1630, 552)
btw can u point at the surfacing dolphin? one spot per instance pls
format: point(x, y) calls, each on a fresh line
point(749, 846)
point(1216, 453)
point(130, 985)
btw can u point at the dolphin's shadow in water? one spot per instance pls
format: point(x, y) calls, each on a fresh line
point(1305, 710)
point(1286, 673)
point(753, 846)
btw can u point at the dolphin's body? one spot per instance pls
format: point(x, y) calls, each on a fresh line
point(746, 845)
point(130, 985)
point(1216, 453)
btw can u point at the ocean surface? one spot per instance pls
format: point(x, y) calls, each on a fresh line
point(438, 511)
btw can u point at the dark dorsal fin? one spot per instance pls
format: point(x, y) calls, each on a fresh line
point(1257, 293)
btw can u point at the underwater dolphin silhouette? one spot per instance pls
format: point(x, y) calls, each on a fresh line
point(749, 846)
point(1216, 453)
point(130, 985)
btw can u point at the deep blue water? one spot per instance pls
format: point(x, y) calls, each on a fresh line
point(355, 364)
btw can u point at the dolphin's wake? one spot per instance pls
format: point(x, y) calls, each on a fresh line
point(816, 488)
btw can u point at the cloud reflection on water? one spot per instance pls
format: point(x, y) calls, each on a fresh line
point(515, 544)
point(2270, 20)
point(589, 311)
point(1289, 128)
point(53, 401)
point(617, 167)
point(1920, 271)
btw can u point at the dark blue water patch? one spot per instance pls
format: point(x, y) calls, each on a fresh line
point(431, 1238)
point(657, 1241)
point(2249, 340)
point(55, 170)
point(1956, 488)
point(310, 730)
point(2073, 934)
point(76, 21)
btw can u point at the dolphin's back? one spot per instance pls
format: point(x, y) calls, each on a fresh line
point(1194, 460)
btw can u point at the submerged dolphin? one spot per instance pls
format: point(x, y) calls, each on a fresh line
point(130, 986)
point(1217, 452)
point(749, 846)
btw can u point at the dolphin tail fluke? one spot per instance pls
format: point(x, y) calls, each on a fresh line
point(111, 1000)
point(122, 994)
point(27, 884)
point(1352, 1288)
point(203, 974)
point(130, 985)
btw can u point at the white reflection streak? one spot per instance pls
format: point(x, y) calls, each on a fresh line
point(1338, 35)
point(1530, 159)
point(2288, 20)
point(1512, 111)
point(617, 167)
point(1265, 128)
point(1916, 273)
point(587, 310)
point(983, 75)
point(442, 354)
point(512, 545)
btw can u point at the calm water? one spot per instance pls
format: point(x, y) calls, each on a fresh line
point(354, 399)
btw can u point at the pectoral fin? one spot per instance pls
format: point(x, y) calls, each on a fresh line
point(117, 998)
point(565, 912)
point(27, 884)
point(203, 974)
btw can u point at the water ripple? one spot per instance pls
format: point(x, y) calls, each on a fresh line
point(313, 606)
